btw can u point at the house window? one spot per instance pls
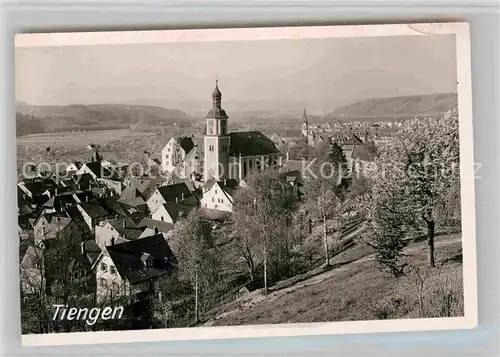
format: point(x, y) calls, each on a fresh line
point(168, 149)
point(166, 156)
point(149, 263)
point(112, 270)
point(103, 267)
point(103, 282)
point(213, 199)
point(162, 218)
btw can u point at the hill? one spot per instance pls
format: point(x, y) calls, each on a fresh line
point(431, 104)
point(354, 289)
point(40, 118)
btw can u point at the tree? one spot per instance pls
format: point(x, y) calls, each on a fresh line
point(261, 212)
point(371, 147)
point(194, 246)
point(301, 150)
point(388, 230)
point(47, 275)
point(161, 307)
point(420, 166)
point(337, 156)
point(323, 205)
point(245, 244)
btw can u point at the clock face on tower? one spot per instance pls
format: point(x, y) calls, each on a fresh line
point(211, 127)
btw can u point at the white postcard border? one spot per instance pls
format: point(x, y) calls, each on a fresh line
point(461, 30)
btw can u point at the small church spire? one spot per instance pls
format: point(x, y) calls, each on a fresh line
point(217, 95)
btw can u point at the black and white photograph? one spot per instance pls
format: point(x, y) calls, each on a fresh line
point(171, 183)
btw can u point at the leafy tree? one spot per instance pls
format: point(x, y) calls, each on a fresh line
point(420, 166)
point(261, 212)
point(48, 277)
point(371, 147)
point(388, 227)
point(336, 155)
point(324, 194)
point(194, 246)
point(323, 205)
point(301, 151)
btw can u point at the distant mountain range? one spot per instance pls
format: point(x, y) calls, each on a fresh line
point(40, 118)
point(410, 105)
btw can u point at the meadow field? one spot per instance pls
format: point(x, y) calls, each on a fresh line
point(120, 146)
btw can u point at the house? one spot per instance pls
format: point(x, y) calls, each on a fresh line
point(178, 192)
point(73, 167)
point(300, 166)
point(34, 187)
point(36, 276)
point(150, 225)
point(115, 230)
point(219, 195)
point(182, 156)
point(48, 226)
point(145, 185)
point(133, 269)
point(61, 199)
point(80, 266)
point(92, 213)
point(295, 181)
point(171, 212)
point(137, 203)
point(25, 204)
point(112, 178)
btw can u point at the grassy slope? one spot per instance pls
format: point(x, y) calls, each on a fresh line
point(433, 104)
point(356, 291)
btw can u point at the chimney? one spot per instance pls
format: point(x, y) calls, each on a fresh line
point(82, 248)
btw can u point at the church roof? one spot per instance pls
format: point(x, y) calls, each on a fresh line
point(251, 143)
point(216, 113)
point(186, 143)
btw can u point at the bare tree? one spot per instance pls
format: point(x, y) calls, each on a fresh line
point(261, 211)
point(193, 243)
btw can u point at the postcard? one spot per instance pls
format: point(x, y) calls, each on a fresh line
point(251, 182)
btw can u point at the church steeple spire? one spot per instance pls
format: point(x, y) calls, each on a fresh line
point(217, 95)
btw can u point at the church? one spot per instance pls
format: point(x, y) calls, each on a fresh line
point(233, 155)
point(225, 155)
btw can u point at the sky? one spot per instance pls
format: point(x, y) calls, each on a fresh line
point(253, 75)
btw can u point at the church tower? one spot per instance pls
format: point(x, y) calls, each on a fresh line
point(217, 140)
point(305, 126)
